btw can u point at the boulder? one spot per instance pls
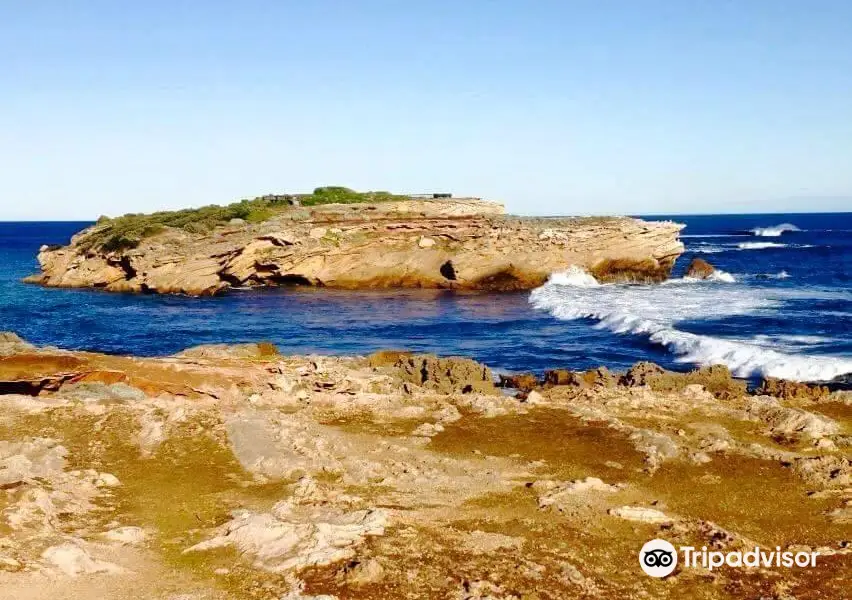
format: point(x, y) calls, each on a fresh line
point(561, 377)
point(700, 269)
point(524, 382)
point(630, 270)
point(600, 377)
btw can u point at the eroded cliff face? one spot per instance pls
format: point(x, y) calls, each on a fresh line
point(453, 244)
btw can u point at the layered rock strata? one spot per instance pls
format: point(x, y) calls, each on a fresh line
point(450, 244)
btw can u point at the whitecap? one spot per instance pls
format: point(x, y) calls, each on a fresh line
point(710, 249)
point(759, 245)
point(711, 235)
point(654, 311)
point(775, 230)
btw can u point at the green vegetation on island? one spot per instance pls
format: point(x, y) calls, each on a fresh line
point(126, 232)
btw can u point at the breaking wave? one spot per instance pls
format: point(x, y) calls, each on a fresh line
point(775, 230)
point(655, 311)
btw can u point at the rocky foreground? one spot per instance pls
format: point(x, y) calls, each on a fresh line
point(234, 472)
point(452, 244)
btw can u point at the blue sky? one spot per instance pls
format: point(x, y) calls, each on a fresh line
point(553, 107)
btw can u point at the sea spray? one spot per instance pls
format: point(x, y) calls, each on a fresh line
point(775, 230)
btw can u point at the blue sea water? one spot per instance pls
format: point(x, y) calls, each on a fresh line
point(782, 305)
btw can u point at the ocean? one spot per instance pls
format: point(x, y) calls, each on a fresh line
point(780, 305)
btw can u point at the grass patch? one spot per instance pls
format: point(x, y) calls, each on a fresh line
point(128, 231)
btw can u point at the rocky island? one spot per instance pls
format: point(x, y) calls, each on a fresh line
point(339, 238)
point(233, 472)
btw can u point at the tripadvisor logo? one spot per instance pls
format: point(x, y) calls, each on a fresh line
point(659, 558)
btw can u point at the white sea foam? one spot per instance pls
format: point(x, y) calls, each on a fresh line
point(780, 275)
point(710, 249)
point(711, 235)
point(574, 276)
point(759, 245)
point(655, 311)
point(775, 230)
point(792, 343)
point(717, 275)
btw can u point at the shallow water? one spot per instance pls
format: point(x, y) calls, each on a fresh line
point(784, 309)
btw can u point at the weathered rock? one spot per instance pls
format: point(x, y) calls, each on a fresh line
point(619, 270)
point(30, 373)
point(453, 244)
point(533, 397)
point(700, 269)
point(641, 514)
point(74, 561)
point(129, 536)
point(791, 423)
point(291, 538)
point(600, 377)
point(360, 573)
point(827, 472)
point(561, 377)
point(792, 390)
point(525, 382)
point(554, 494)
point(11, 343)
point(386, 358)
point(337, 437)
point(716, 379)
point(218, 351)
point(641, 374)
point(27, 460)
point(446, 375)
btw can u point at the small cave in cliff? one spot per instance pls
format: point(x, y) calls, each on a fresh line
point(290, 279)
point(509, 280)
point(448, 270)
point(129, 271)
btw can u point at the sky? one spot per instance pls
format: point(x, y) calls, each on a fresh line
point(552, 107)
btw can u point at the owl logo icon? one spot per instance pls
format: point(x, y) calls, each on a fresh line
point(658, 558)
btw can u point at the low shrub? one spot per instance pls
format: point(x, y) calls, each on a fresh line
point(127, 232)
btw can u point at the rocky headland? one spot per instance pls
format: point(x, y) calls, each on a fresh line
point(368, 242)
point(233, 472)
